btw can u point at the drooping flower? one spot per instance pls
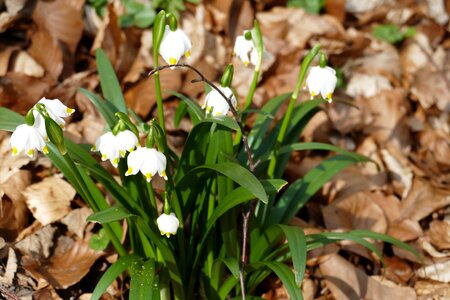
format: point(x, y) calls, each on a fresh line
point(113, 147)
point(174, 45)
point(27, 139)
point(216, 105)
point(168, 224)
point(322, 81)
point(148, 161)
point(56, 110)
point(246, 50)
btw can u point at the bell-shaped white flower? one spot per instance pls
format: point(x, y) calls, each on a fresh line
point(148, 161)
point(56, 110)
point(322, 81)
point(246, 50)
point(113, 147)
point(174, 45)
point(27, 139)
point(168, 224)
point(216, 105)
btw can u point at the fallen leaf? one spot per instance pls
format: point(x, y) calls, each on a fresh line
point(348, 282)
point(10, 270)
point(405, 230)
point(49, 200)
point(367, 85)
point(427, 289)
point(8, 16)
point(399, 169)
point(47, 52)
point(397, 270)
point(76, 220)
point(439, 271)
point(38, 244)
point(439, 234)
point(25, 64)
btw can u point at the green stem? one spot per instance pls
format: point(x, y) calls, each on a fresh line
point(85, 190)
point(284, 126)
point(159, 100)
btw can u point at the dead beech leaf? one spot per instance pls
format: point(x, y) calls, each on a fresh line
point(355, 6)
point(68, 268)
point(49, 200)
point(431, 88)
point(439, 234)
point(355, 211)
point(427, 289)
point(61, 19)
point(405, 230)
point(76, 220)
point(25, 64)
point(348, 282)
point(10, 269)
point(423, 200)
point(436, 10)
point(400, 170)
point(438, 271)
point(5, 57)
point(47, 52)
point(38, 244)
point(367, 85)
point(397, 270)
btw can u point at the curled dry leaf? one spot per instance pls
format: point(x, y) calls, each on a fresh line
point(10, 269)
point(439, 271)
point(348, 282)
point(399, 169)
point(64, 23)
point(47, 52)
point(423, 199)
point(49, 200)
point(356, 211)
point(76, 220)
point(397, 270)
point(405, 230)
point(8, 16)
point(439, 234)
point(25, 64)
point(38, 244)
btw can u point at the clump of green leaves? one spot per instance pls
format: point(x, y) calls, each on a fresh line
point(392, 33)
point(311, 6)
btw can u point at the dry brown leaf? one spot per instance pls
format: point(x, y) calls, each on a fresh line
point(25, 64)
point(356, 211)
point(399, 170)
point(367, 85)
point(432, 88)
point(345, 118)
point(47, 52)
point(423, 200)
point(38, 244)
point(68, 268)
point(49, 200)
point(439, 234)
point(143, 60)
point(10, 270)
point(397, 270)
point(76, 220)
point(355, 6)
point(439, 271)
point(5, 57)
point(348, 282)
point(405, 230)
point(61, 19)
point(432, 251)
point(436, 10)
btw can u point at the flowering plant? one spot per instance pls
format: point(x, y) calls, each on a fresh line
point(225, 216)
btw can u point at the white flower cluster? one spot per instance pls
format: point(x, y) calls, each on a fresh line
point(29, 138)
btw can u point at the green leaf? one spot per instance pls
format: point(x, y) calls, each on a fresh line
point(106, 110)
point(195, 111)
point(144, 18)
point(109, 82)
point(286, 276)
point(99, 241)
point(115, 213)
point(388, 32)
point(297, 246)
point(232, 265)
point(225, 121)
point(142, 277)
point(240, 175)
point(112, 273)
point(300, 191)
point(311, 6)
point(9, 119)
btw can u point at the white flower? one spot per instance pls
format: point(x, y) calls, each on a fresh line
point(27, 139)
point(168, 224)
point(148, 161)
point(174, 45)
point(246, 50)
point(216, 104)
point(322, 81)
point(56, 110)
point(113, 147)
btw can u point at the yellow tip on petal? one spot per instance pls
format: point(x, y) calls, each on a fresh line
point(15, 151)
point(163, 173)
point(104, 157)
point(122, 153)
point(329, 95)
point(115, 162)
point(61, 125)
point(218, 113)
point(172, 61)
point(208, 109)
point(148, 177)
point(70, 110)
point(168, 235)
point(45, 149)
point(188, 54)
point(94, 148)
point(128, 172)
point(131, 150)
point(233, 53)
point(30, 152)
point(246, 63)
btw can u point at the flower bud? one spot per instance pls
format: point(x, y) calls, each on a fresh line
point(227, 76)
point(55, 134)
point(29, 118)
point(126, 121)
point(322, 60)
point(172, 21)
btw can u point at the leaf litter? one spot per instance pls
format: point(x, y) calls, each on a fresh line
point(402, 95)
